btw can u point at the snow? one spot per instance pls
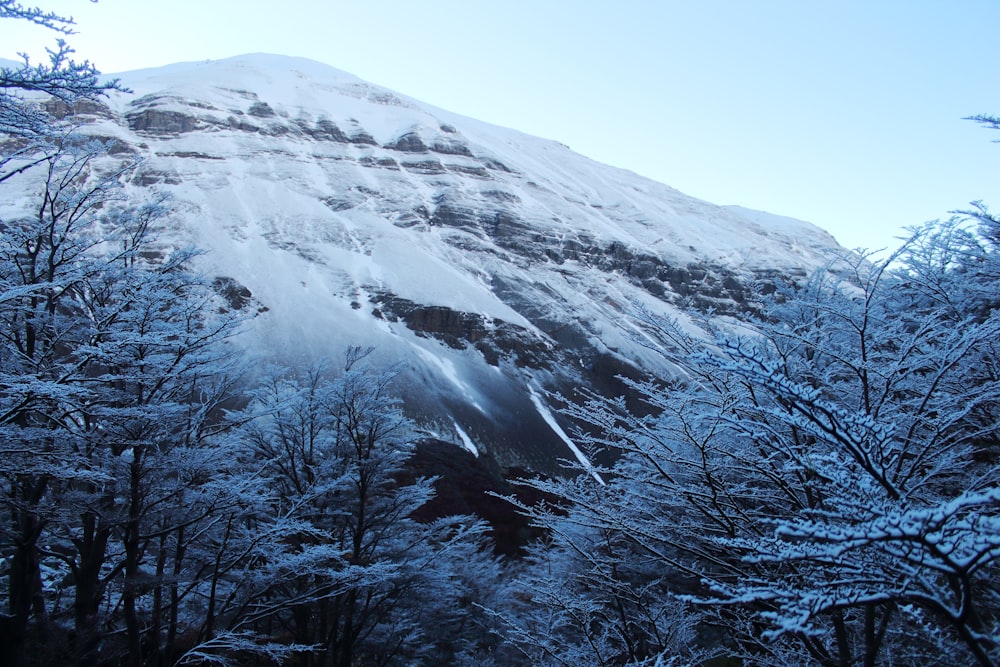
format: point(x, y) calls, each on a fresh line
point(466, 440)
point(550, 419)
point(448, 370)
point(296, 86)
point(318, 232)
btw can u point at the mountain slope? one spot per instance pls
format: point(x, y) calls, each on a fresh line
point(498, 267)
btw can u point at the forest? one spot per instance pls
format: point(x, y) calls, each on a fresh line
point(817, 484)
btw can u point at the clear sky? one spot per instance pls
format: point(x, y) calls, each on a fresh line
point(845, 113)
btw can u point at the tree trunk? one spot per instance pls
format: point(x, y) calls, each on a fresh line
point(24, 577)
point(170, 648)
point(131, 544)
point(92, 552)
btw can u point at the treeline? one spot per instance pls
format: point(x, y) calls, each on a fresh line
point(817, 484)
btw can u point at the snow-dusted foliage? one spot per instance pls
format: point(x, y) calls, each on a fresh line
point(822, 490)
point(110, 369)
point(25, 127)
point(585, 596)
point(346, 570)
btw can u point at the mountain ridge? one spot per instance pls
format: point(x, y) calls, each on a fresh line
point(498, 266)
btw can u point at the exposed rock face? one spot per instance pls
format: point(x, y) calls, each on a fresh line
point(236, 295)
point(261, 110)
point(80, 109)
point(156, 121)
point(408, 143)
point(495, 339)
point(323, 130)
point(500, 268)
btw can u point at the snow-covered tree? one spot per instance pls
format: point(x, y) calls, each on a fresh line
point(46, 259)
point(109, 365)
point(585, 597)
point(340, 564)
point(27, 129)
point(109, 370)
point(823, 489)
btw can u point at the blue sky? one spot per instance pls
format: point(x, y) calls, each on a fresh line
point(844, 113)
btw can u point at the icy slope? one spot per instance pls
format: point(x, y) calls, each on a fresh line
point(496, 265)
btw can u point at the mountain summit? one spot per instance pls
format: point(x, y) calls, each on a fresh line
point(497, 267)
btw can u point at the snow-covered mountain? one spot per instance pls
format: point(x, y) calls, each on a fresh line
point(498, 267)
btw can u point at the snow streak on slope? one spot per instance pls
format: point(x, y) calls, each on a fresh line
point(550, 419)
point(491, 261)
point(466, 440)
